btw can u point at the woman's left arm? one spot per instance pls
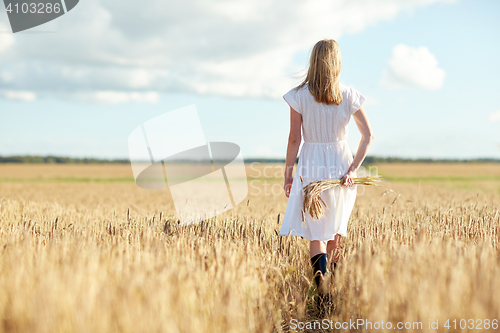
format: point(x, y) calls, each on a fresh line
point(294, 139)
point(365, 129)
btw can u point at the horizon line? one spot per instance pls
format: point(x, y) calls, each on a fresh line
point(55, 159)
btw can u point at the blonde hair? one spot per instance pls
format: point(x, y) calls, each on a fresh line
point(324, 71)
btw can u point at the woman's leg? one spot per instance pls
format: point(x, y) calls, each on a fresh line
point(333, 247)
point(319, 261)
point(317, 247)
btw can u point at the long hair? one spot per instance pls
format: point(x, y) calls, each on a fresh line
point(324, 71)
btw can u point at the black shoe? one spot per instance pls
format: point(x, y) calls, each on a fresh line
point(319, 263)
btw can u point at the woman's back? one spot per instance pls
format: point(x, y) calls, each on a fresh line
point(322, 122)
point(324, 155)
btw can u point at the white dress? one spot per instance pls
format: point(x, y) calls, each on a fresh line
point(325, 154)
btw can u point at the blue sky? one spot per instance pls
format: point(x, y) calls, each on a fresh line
point(429, 69)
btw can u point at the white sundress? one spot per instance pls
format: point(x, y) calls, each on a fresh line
point(325, 154)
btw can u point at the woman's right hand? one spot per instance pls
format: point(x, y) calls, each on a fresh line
point(347, 180)
point(288, 186)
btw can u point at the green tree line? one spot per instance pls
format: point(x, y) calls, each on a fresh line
point(369, 160)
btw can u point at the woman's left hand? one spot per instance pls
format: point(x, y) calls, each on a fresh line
point(347, 179)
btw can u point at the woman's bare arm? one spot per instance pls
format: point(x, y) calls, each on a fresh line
point(294, 139)
point(366, 139)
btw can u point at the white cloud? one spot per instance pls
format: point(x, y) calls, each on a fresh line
point(6, 39)
point(229, 47)
point(18, 95)
point(414, 67)
point(114, 97)
point(494, 116)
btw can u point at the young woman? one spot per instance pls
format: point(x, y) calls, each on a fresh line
point(322, 107)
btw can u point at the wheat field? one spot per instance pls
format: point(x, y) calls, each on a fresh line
point(83, 249)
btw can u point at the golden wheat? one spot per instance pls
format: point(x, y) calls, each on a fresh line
point(313, 201)
point(110, 257)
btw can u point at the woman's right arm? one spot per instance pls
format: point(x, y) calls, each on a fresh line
point(294, 140)
point(366, 139)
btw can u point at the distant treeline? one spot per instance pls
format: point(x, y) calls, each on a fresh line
point(376, 160)
point(57, 160)
point(368, 160)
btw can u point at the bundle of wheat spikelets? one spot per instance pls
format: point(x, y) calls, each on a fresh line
point(312, 200)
